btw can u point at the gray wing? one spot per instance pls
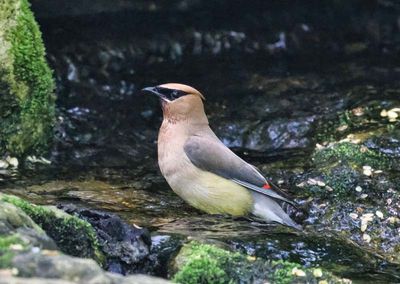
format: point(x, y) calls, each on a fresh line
point(213, 156)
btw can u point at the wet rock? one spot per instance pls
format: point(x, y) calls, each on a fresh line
point(125, 247)
point(52, 265)
point(26, 83)
point(233, 133)
point(18, 234)
point(26, 250)
point(386, 144)
point(344, 166)
point(204, 263)
point(17, 280)
point(279, 134)
point(71, 234)
point(164, 248)
point(328, 250)
point(363, 181)
point(359, 122)
point(14, 221)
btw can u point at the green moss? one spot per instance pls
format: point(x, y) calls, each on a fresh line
point(340, 167)
point(203, 263)
point(26, 83)
point(6, 252)
point(334, 128)
point(72, 235)
point(283, 272)
point(352, 154)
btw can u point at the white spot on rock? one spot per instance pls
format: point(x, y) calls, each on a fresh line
point(3, 164)
point(379, 214)
point(353, 215)
point(366, 238)
point(298, 272)
point(317, 272)
point(12, 161)
point(367, 170)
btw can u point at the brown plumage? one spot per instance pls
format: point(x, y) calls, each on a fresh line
point(201, 169)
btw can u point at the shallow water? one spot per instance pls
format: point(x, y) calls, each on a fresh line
point(150, 203)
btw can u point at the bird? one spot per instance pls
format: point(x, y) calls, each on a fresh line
point(202, 170)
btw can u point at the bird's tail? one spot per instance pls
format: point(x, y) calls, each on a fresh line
point(268, 209)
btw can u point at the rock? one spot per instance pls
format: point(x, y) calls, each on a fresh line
point(361, 215)
point(71, 234)
point(26, 83)
point(18, 234)
point(125, 247)
point(12, 161)
point(3, 164)
point(15, 223)
point(75, 270)
point(20, 280)
point(164, 248)
point(351, 154)
point(280, 134)
point(27, 252)
point(343, 166)
point(205, 263)
point(56, 265)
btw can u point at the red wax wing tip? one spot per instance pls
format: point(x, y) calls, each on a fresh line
point(266, 186)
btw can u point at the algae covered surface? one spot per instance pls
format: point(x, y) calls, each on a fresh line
point(205, 263)
point(27, 103)
point(71, 234)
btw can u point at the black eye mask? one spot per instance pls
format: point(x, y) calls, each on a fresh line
point(169, 94)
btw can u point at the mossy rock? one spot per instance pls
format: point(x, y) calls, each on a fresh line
point(27, 101)
point(365, 118)
point(354, 155)
point(72, 235)
point(8, 245)
point(205, 263)
point(340, 167)
point(18, 234)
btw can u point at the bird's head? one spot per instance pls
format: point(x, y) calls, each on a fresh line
point(179, 101)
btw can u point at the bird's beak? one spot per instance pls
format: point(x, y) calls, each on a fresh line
point(154, 91)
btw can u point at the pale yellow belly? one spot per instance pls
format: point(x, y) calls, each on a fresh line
point(212, 194)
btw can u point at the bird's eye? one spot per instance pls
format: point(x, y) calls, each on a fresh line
point(175, 94)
